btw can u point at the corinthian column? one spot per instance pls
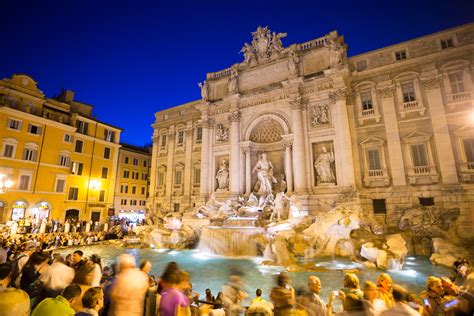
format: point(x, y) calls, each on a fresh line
point(170, 162)
point(207, 125)
point(288, 167)
point(299, 165)
point(188, 158)
point(234, 184)
point(248, 167)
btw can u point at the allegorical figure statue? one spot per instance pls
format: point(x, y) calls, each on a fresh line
point(222, 176)
point(264, 169)
point(204, 90)
point(336, 53)
point(323, 166)
point(233, 80)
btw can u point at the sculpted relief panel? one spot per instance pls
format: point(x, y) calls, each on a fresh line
point(320, 115)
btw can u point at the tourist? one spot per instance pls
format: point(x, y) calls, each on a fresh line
point(172, 266)
point(311, 301)
point(466, 297)
point(93, 301)
point(97, 274)
point(400, 307)
point(3, 252)
point(373, 303)
point(56, 277)
point(351, 285)
point(209, 297)
point(77, 260)
point(146, 266)
point(172, 300)
point(13, 302)
point(450, 289)
point(61, 304)
point(433, 300)
point(127, 295)
point(83, 277)
point(30, 277)
point(259, 306)
point(384, 285)
point(21, 261)
point(234, 293)
point(283, 295)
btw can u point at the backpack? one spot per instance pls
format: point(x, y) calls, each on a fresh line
point(16, 273)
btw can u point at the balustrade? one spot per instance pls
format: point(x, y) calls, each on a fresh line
point(458, 97)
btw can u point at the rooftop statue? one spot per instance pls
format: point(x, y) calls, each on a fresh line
point(336, 53)
point(265, 44)
point(204, 90)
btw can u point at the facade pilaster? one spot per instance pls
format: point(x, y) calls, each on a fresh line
point(447, 164)
point(299, 165)
point(170, 162)
point(188, 158)
point(288, 167)
point(234, 163)
point(248, 169)
point(207, 126)
point(394, 146)
point(153, 170)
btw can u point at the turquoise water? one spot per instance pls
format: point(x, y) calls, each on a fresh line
point(212, 272)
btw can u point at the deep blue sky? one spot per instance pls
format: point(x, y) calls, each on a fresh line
point(131, 59)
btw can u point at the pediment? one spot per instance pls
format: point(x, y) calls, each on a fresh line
point(372, 141)
point(416, 136)
point(465, 131)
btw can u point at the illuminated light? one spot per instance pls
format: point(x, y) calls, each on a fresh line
point(94, 184)
point(410, 263)
point(410, 258)
point(173, 253)
point(152, 245)
point(162, 250)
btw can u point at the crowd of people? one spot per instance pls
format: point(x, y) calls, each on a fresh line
point(44, 283)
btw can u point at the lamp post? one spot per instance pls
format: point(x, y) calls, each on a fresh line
point(5, 183)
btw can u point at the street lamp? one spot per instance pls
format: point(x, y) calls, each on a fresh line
point(5, 183)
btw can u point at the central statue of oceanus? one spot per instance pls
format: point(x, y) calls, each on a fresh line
point(264, 169)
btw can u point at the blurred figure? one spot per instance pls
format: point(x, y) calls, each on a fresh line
point(384, 285)
point(77, 260)
point(466, 298)
point(234, 293)
point(172, 299)
point(373, 304)
point(146, 266)
point(97, 273)
point(433, 300)
point(127, 294)
point(209, 296)
point(93, 301)
point(283, 295)
point(56, 277)
point(259, 306)
point(400, 307)
point(13, 302)
point(61, 304)
point(83, 278)
point(352, 285)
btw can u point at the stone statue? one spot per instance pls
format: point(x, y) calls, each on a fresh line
point(233, 80)
point(336, 52)
point(323, 166)
point(264, 169)
point(204, 90)
point(222, 176)
point(222, 134)
point(293, 63)
point(276, 41)
point(249, 53)
point(265, 44)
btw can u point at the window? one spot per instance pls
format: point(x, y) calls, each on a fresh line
point(144, 176)
point(144, 163)
point(126, 174)
point(34, 129)
point(180, 137)
point(101, 195)
point(161, 178)
point(123, 201)
point(105, 170)
point(135, 161)
point(64, 160)
point(361, 65)
point(125, 160)
point(73, 194)
point(24, 183)
point(29, 154)
point(134, 189)
point(379, 206)
point(109, 135)
point(401, 54)
point(456, 82)
point(199, 134)
point(14, 124)
point(142, 203)
point(60, 185)
point(163, 140)
point(177, 178)
point(107, 153)
point(197, 176)
point(77, 168)
point(429, 201)
point(143, 190)
point(8, 150)
point(176, 207)
point(366, 98)
point(373, 158)
point(124, 188)
point(469, 149)
point(68, 138)
point(447, 43)
point(133, 202)
point(165, 117)
point(419, 155)
point(82, 127)
point(408, 92)
point(135, 175)
point(79, 145)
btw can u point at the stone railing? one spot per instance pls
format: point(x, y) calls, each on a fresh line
point(422, 170)
point(422, 175)
point(369, 112)
point(467, 171)
point(314, 43)
point(410, 105)
point(376, 178)
point(375, 173)
point(219, 74)
point(459, 97)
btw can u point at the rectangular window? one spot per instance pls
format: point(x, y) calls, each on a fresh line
point(135, 176)
point(126, 174)
point(163, 140)
point(101, 195)
point(105, 171)
point(144, 163)
point(456, 82)
point(79, 145)
point(366, 98)
point(134, 189)
point(447, 43)
point(64, 160)
point(419, 155)
point(142, 203)
point(176, 207)
point(77, 168)
point(379, 206)
point(180, 137)
point(123, 202)
point(469, 149)
point(429, 201)
point(144, 176)
point(135, 161)
point(34, 129)
point(133, 202)
point(408, 91)
point(29, 154)
point(199, 134)
point(109, 135)
point(401, 54)
point(197, 176)
point(107, 153)
point(125, 160)
point(67, 138)
point(161, 178)
point(60, 185)
point(124, 188)
point(177, 177)
point(8, 150)
point(73, 194)
point(143, 190)
point(24, 182)
point(82, 127)
point(373, 158)
point(13, 124)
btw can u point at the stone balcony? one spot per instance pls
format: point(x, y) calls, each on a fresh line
point(467, 171)
point(369, 114)
point(412, 106)
point(455, 98)
point(423, 175)
point(376, 178)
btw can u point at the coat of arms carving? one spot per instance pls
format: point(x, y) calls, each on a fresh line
point(265, 45)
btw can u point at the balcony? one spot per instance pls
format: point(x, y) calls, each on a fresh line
point(460, 97)
point(368, 115)
point(422, 175)
point(376, 178)
point(466, 170)
point(412, 106)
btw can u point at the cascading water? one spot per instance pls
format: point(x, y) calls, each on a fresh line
point(230, 241)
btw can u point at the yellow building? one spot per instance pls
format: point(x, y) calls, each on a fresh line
point(131, 187)
point(62, 162)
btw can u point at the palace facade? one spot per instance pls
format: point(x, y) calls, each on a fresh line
point(395, 126)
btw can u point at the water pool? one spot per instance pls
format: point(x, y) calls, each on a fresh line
point(212, 272)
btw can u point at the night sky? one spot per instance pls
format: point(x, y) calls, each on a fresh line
point(131, 59)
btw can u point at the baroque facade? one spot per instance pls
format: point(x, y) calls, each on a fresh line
point(394, 125)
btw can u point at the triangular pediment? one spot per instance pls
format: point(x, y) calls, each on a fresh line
point(465, 131)
point(372, 140)
point(417, 135)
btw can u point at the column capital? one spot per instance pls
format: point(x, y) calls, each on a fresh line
point(432, 82)
point(171, 130)
point(297, 103)
point(338, 95)
point(208, 122)
point(235, 116)
point(189, 130)
point(386, 91)
point(287, 144)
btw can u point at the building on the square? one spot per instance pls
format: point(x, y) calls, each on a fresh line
point(61, 160)
point(132, 182)
point(396, 124)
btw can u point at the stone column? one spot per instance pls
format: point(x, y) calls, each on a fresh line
point(242, 171)
point(188, 143)
point(447, 164)
point(153, 170)
point(207, 125)
point(234, 163)
point(299, 165)
point(343, 143)
point(394, 145)
point(248, 171)
point(288, 167)
point(170, 162)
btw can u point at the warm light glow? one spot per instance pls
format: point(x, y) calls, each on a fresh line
point(5, 183)
point(94, 184)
